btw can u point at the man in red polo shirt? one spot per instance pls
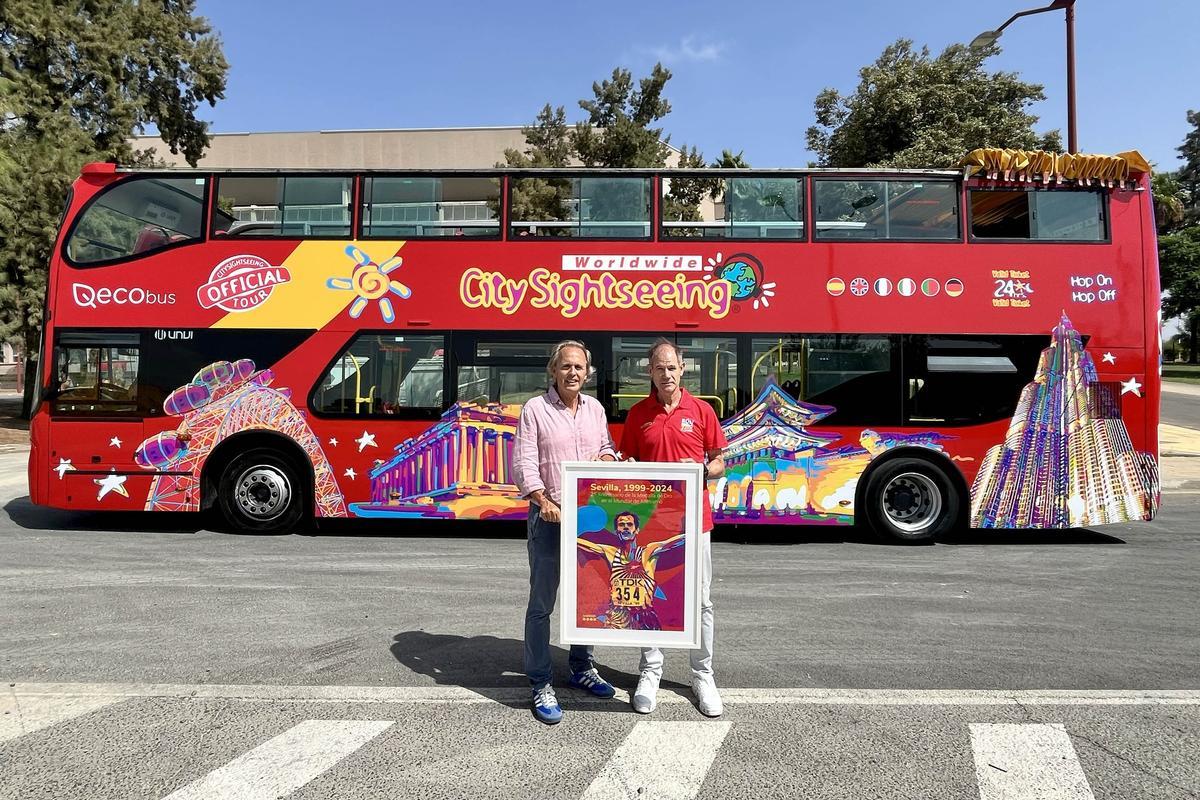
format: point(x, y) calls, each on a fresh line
point(672, 425)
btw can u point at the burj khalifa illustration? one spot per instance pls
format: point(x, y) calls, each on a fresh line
point(1067, 460)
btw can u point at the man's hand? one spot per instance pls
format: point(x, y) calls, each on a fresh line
point(550, 511)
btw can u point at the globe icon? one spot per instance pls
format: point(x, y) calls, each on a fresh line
point(743, 277)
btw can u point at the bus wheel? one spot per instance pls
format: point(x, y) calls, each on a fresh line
point(261, 492)
point(911, 501)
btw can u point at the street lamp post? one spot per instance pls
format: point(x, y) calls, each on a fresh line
point(989, 37)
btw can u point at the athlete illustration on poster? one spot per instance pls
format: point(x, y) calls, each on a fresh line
point(632, 567)
point(630, 552)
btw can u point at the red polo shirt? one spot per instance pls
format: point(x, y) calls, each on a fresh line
point(690, 431)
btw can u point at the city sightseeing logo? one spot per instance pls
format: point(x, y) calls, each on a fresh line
point(241, 283)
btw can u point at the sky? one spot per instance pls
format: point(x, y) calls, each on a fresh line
point(744, 73)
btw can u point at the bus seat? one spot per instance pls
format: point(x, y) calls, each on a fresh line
point(150, 237)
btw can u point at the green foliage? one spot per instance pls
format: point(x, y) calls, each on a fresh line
point(547, 146)
point(77, 79)
point(617, 132)
point(914, 111)
point(1179, 266)
point(1171, 201)
point(1189, 173)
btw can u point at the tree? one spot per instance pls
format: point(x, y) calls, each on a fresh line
point(547, 145)
point(1179, 267)
point(617, 132)
point(1170, 201)
point(1189, 173)
point(80, 77)
point(913, 111)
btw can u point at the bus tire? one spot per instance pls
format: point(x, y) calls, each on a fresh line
point(911, 501)
point(261, 491)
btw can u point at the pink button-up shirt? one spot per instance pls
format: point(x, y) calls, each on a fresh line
point(548, 434)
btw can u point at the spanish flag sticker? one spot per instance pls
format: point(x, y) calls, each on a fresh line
point(954, 287)
point(835, 286)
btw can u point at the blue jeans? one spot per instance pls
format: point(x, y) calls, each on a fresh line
point(543, 591)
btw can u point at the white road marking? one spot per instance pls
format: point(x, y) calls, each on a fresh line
point(663, 760)
point(1017, 762)
point(506, 694)
point(282, 765)
point(21, 714)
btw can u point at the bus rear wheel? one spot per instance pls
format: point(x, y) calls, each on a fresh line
point(261, 492)
point(911, 501)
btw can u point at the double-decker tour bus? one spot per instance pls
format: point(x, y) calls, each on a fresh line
point(911, 350)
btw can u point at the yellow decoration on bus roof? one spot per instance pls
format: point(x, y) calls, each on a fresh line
point(306, 300)
point(995, 163)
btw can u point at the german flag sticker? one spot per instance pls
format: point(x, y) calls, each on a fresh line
point(835, 286)
point(954, 287)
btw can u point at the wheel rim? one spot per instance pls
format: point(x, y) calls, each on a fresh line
point(912, 502)
point(262, 492)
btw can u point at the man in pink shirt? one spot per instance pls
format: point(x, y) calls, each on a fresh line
point(561, 425)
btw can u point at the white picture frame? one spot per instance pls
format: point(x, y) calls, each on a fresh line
point(653, 599)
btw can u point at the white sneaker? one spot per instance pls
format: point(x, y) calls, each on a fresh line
point(707, 696)
point(645, 697)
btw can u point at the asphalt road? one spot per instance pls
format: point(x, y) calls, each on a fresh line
point(145, 656)
point(1181, 409)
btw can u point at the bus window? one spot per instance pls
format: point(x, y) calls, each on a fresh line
point(630, 377)
point(885, 209)
point(501, 370)
point(395, 375)
point(294, 206)
point(744, 208)
point(1058, 215)
point(967, 380)
point(580, 207)
point(136, 217)
point(96, 373)
point(856, 374)
point(709, 371)
point(417, 207)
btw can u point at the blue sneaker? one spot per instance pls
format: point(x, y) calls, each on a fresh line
point(545, 705)
point(591, 681)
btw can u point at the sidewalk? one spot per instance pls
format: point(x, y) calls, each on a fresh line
point(1180, 387)
point(13, 429)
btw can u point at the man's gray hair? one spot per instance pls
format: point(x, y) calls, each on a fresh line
point(661, 342)
point(556, 354)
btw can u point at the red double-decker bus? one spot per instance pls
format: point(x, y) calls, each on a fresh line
point(913, 350)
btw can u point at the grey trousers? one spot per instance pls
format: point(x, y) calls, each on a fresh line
point(652, 657)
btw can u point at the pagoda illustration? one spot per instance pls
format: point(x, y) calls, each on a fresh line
point(775, 468)
point(1067, 459)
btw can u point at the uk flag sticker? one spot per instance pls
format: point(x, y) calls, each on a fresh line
point(859, 287)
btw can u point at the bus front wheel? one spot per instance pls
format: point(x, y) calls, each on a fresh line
point(911, 501)
point(261, 492)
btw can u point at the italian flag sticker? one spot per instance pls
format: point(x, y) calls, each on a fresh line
point(907, 287)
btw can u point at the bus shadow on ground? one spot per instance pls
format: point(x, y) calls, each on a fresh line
point(493, 667)
point(25, 514)
point(419, 528)
point(800, 535)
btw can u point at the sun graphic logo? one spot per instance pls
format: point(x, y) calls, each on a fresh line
point(370, 281)
point(744, 273)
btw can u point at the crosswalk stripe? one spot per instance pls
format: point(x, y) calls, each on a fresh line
point(282, 765)
point(22, 714)
point(1020, 761)
point(460, 695)
point(663, 760)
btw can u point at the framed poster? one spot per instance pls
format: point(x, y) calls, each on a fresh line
point(630, 566)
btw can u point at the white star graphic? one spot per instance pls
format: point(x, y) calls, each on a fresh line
point(114, 442)
point(1109, 358)
point(1131, 385)
point(111, 483)
point(333, 442)
point(64, 466)
point(365, 441)
point(350, 473)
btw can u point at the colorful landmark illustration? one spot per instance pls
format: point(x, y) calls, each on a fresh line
point(223, 399)
point(778, 470)
point(457, 469)
point(1067, 460)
